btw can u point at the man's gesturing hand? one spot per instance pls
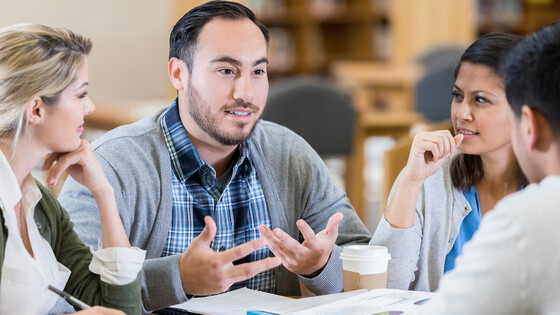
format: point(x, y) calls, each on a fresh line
point(310, 257)
point(204, 271)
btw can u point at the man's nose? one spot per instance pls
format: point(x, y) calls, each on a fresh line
point(243, 90)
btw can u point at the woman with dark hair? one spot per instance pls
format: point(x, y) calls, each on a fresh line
point(451, 182)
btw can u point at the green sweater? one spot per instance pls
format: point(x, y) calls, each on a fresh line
point(53, 223)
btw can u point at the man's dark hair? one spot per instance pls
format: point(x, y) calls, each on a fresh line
point(489, 50)
point(532, 71)
point(184, 36)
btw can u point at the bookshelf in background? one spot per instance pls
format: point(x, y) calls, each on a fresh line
point(307, 35)
point(519, 17)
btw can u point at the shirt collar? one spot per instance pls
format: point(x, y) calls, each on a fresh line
point(185, 159)
point(10, 193)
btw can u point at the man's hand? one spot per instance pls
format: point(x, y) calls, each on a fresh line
point(205, 272)
point(309, 258)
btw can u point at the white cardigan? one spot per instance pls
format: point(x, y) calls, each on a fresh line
point(511, 264)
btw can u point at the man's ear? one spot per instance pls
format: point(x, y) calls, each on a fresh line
point(178, 73)
point(35, 111)
point(536, 129)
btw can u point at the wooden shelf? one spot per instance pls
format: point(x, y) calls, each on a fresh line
point(110, 114)
point(307, 35)
point(531, 16)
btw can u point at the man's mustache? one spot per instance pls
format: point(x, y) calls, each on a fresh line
point(241, 104)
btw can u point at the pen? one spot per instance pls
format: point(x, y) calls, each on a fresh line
point(70, 299)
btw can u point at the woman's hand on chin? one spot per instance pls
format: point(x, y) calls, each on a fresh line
point(82, 165)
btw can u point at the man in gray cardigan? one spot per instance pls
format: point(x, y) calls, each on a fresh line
point(198, 183)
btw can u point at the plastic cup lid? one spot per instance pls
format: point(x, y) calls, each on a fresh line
point(365, 252)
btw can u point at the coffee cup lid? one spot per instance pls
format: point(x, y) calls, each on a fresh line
point(365, 252)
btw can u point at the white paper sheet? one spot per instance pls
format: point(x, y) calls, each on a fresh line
point(362, 302)
point(385, 301)
point(236, 302)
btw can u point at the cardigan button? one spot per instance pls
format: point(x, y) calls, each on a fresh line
point(39, 225)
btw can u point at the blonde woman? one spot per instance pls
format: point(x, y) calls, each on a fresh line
point(43, 101)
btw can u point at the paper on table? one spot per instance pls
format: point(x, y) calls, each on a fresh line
point(294, 306)
point(236, 302)
point(369, 302)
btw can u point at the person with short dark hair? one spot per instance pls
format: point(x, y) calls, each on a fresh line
point(511, 265)
point(200, 182)
point(451, 182)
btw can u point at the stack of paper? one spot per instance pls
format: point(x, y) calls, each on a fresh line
point(236, 302)
point(379, 301)
point(251, 302)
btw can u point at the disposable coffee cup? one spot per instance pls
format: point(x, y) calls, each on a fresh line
point(364, 267)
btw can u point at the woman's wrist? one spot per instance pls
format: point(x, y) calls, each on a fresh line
point(401, 209)
point(102, 192)
point(407, 180)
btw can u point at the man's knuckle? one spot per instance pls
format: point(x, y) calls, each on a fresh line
point(239, 252)
point(249, 272)
point(215, 265)
point(220, 278)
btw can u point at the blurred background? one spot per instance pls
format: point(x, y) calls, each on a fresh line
point(390, 61)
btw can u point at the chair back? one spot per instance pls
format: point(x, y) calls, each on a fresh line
point(316, 110)
point(433, 89)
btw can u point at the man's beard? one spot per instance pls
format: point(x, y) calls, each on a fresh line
point(201, 113)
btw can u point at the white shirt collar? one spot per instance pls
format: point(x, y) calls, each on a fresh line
point(10, 193)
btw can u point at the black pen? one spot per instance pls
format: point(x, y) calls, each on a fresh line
point(70, 299)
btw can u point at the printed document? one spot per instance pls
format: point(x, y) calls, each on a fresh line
point(361, 302)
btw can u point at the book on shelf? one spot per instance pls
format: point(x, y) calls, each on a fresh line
point(281, 50)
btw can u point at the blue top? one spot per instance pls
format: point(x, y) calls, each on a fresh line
point(468, 227)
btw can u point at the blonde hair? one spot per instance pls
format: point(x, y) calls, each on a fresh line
point(35, 61)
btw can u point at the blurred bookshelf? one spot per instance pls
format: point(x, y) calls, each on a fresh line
point(307, 35)
point(519, 17)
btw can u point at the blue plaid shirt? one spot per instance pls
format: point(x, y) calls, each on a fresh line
point(238, 208)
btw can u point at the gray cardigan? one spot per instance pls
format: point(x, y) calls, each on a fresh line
point(418, 253)
point(295, 182)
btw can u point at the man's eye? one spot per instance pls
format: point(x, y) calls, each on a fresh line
point(226, 71)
